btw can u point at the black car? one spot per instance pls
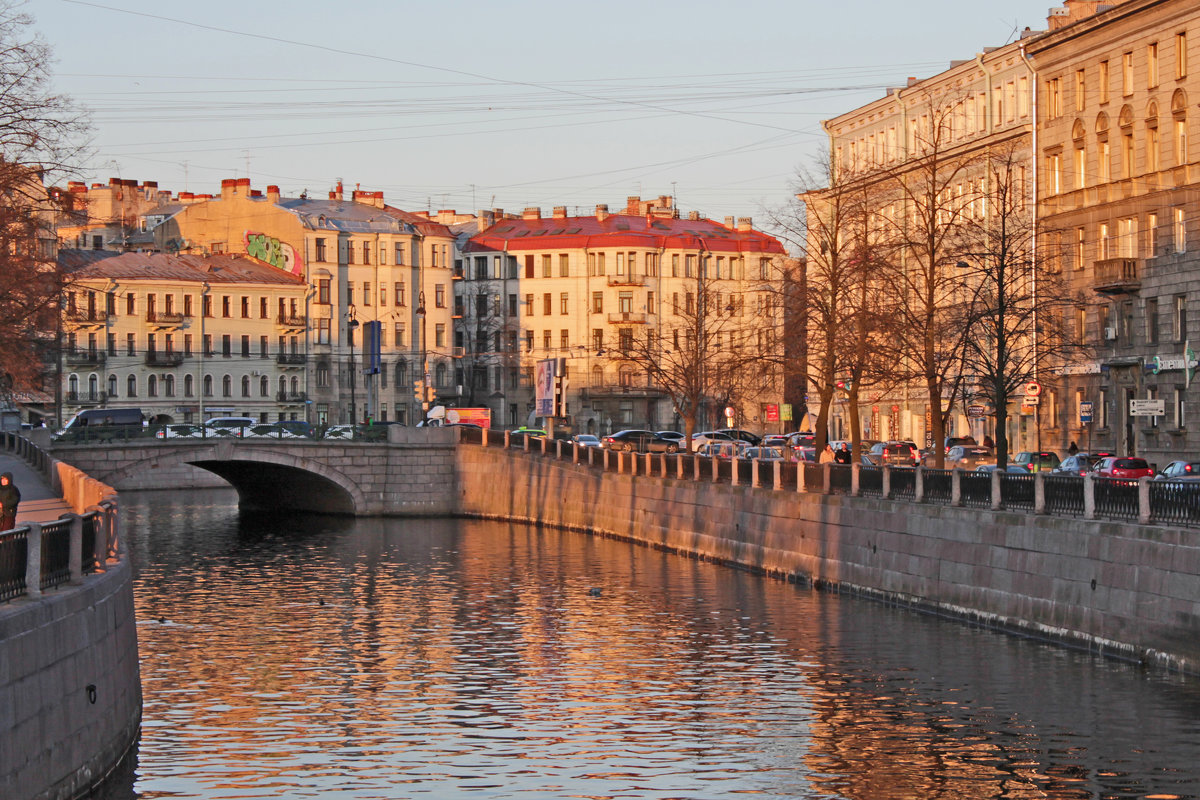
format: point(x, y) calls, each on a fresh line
point(640, 441)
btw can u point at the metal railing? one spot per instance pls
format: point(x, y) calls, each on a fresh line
point(938, 485)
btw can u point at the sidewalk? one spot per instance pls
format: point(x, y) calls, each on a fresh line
point(38, 503)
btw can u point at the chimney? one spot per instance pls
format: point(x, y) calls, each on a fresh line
point(745, 223)
point(694, 216)
point(186, 197)
point(273, 194)
point(336, 194)
point(486, 219)
point(446, 216)
point(532, 212)
point(912, 81)
point(114, 181)
point(369, 198)
point(633, 205)
point(228, 188)
point(560, 212)
point(729, 222)
point(601, 212)
point(256, 193)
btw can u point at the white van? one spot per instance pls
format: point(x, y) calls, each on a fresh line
point(229, 426)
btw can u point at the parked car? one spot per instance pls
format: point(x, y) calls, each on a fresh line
point(745, 436)
point(775, 440)
point(704, 437)
point(1042, 461)
point(969, 456)
point(805, 453)
point(726, 449)
point(954, 441)
point(676, 435)
point(639, 441)
point(229, 426)
point(586, 440)
point(530, 431)
point(892, 454)
point(1015, 469)
point(1125, 468)
point(764, 453)
point(1180, 471)
point(1078, 464)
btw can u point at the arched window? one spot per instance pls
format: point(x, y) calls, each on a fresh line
point(627, 376)
point(226, 386)
point(245, 386)
point(295, 385)
point(169, 385)
point(597, 375)
point(93, 387)
point(189, 385)
point(439, 374)
point(208, 386)
point(401, 373)
point(264, 386)
point(73, 387)
point(112, 385)
point(131, 386)
point(152, 386)
point(282, 386)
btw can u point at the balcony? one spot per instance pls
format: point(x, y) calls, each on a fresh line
point(85, 358)
point(620, 390)
point(627, 280)
point(626, 318)
point(156, 359)
point(292, 397)
point(1117, 276)
point(291, 359)
point(85, 318)
point(291, 321)
point(164, 320)
point(85, 398)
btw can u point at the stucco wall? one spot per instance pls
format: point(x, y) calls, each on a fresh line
point(55, 741)
point(1127, 589)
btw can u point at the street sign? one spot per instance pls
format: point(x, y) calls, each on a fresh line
point(976, 410)
point(1033, 389)
point(1147, 407)
point(730, 411)
point(1031, 400)
point(1085, 411)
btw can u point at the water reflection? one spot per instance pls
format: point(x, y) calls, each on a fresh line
point(320, 657)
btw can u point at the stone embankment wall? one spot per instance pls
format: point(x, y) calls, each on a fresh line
point(1128, 590)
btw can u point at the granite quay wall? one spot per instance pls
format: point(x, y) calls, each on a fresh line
point(70, 687)
point(1127, 590)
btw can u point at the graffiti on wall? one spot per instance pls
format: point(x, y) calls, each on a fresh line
point(270, 250)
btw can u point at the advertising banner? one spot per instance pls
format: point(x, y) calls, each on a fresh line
point(471, 416)
point(544, 387)
point(371, 340)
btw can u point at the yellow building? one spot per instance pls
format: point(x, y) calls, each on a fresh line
point(361, 261)
point(182, 337)
point(593, 290)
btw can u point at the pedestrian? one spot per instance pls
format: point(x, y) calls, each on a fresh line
point(987, 441)
point(1073, 449)
point(827, 456)
point(843, 453)
point(10, 496)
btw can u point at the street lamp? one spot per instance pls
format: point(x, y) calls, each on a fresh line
point(424, 354)
point(351, 326)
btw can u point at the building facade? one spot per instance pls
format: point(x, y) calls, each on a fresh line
point(182, 337)
point(1118, 203)
point(606, 294)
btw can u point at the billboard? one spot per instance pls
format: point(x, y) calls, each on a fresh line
point(472, 416)
point(547, 370)
point(371, 340)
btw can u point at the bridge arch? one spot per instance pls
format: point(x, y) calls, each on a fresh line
point(264, 478)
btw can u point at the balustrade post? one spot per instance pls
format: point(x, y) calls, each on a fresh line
point(919, 487)
point(507, 439)
point(734, 464)
point(679, 466)
point(826, 478)
point(662, 463)
point(543, 441)
point(996, 498)
point(854, 478)
point(755, 483)
point(695, 467)
point(574, 452)
point(887, 482)
point(1144, 501)
point(485, 437)
point(604, 461)
point(777, 477)
point(33, 560)
point(956, 487)
point(716, 468)
point(649, 470)
point(1089, 497)
point(1039, 492)
point(800, 467)
point(633, 461)
point(620, 462)
point(558, 447)
point(75, 548)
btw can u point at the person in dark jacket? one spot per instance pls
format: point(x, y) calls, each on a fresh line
point(842, 456)
point(10, 496)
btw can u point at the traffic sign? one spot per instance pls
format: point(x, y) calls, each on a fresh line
point(1147, 407)
point(1033, 389)
point(730, 411)
point(976, 410)
point(1085, 411)
point(1031, 400)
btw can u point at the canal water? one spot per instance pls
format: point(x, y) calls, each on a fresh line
point(315, 657)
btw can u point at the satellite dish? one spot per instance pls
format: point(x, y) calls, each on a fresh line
point(437, 412)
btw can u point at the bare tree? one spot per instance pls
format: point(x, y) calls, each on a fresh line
point(39, 135)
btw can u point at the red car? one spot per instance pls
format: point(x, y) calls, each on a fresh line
point(1124, 468)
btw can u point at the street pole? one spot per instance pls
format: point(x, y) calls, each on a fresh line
point(351, 324)
point(424, 354)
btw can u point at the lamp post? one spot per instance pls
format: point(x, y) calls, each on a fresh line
point(424, 354)
point(351, 326)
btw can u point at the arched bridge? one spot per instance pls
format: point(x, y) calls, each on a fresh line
point(412, 473)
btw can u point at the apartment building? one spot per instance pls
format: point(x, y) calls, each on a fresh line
point(925, 151)
point(1119, 199)
point(584, 289)
point(361, 261)
point(117, 216)
point(183, 337)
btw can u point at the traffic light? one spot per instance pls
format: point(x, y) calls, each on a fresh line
point(419, 391)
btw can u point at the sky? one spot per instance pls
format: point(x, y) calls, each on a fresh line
point(507, 105)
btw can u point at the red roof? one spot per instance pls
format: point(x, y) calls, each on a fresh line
point(620, 230)
point(83, 264)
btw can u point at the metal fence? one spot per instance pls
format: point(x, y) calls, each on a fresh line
point(870, 481)
point(1116, 499)
point(938, 485)
point(56, 554)
point(1064, 495)
point(1016, 491)
point(975, 489)
point(903, 483)
point(840, 478)
point(1175, 502)
point(14, 549)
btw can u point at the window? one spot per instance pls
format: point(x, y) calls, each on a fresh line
point(1128, 159)
point(112, 343)
point(226, 386)
point(264, 386)
point(439, 335)
point(245, 386)
point(207, 344)
point(529, 341)
point(1151, 235)
point(187, 305)
point(366, 250)
point(1179, 408)
point(189, 385)
point(398, 334)
point(399, 260)
point(547, 304)
point(1104, 82)
point(1181, 148)
point(1023, 96)
point(208, 386)
point(263, 347)
point(323, 291)
point(625, 337)
point(1081, 325)
point(207, 306)
point(546, 264)
point(349, 252)
point(320, 249)
point(1053, 175)
point(1152, 149)
point(563, 304)
point(564, 265)
point(245, 347)
point(546, 340)
point(323, 331)
point(226, 307)
point(675, 265)
point(131, 344)
point(597, 339)
point(1104, 165)
point(1152, 320)
point(1127, 237)
point(366, 293)
point(597, 302)
point(1127, 74)
point(1103, 242)
point(1152, 65)
point(130, 304)
point(439, 295)
point(399, 292)
point(529, 305)
point(131, 386)
point(564, 339)
point(1080, 166)
point(227, 346)
point(625, 302)
point(1180, 55)
point(1102, 410)
point(1180, 318)
point(1080, 90)
point(1080, 247)
point(263, 312)
point(1179, 230)
point(245, 307)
